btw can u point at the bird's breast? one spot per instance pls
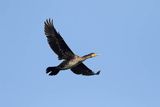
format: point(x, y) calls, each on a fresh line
point(69, 64)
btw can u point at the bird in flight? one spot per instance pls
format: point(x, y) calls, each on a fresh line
point(70, 60)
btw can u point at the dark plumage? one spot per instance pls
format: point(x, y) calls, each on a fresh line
point(70, 60)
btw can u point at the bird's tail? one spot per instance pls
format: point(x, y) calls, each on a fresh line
point(52, 71)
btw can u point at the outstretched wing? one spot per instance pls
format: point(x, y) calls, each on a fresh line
point(84, 70)
point(56, 42)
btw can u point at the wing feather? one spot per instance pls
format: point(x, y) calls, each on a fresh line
point(84, 70)
point(56, 42)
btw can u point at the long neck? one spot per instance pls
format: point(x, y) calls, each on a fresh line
point(86, 57)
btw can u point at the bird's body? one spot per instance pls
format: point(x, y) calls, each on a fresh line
point(70, 60)
point(67, 64)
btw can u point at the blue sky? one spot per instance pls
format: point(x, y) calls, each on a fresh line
point(124, 32)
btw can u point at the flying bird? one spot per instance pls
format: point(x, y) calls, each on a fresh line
point(70, 60)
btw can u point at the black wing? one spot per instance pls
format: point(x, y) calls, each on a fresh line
point(84, 70)
point(56, 42)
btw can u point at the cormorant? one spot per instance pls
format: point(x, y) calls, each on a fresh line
point(70, 60)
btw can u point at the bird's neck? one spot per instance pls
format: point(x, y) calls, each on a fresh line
point(86, 56)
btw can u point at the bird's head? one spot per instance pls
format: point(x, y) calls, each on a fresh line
point(92, 55)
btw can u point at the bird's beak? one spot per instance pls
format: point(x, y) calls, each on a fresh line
point(97, 54)
point(94, 55)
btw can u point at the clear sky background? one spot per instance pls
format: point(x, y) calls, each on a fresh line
point(126, 34)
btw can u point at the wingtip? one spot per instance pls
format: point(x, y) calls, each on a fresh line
point(48, 21)
point(98, 73)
